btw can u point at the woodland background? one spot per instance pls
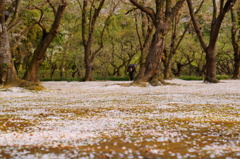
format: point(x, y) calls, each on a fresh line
point(110, 35)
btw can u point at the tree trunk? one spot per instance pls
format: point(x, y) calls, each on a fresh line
point(8, 74)
point(167, 65)
point(88, 71)
point(145, 48)
point(88, 31)
point(154, 56)
point(236, 72)
point(162, 17)
point(235, 41)
point(211, 66)
point(47, 37)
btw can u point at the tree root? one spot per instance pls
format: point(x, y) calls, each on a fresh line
point(31, 85)
point(146, 84)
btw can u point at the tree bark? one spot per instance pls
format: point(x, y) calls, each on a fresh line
point(236, 40)
point(148, 35)
point(8, 74)
point(47, 37)
point(154, 56)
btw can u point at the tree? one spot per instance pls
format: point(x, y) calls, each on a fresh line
point(175, 41)
point(161, 17)
point(235, 14)
point(210, 49)
point(90, 14)
point(8, 74)
point(120, 45)
point(47, 37)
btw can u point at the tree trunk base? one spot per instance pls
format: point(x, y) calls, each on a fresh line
point(26, 85)
point(153, 82)
point(211, 80)
point(37, 86)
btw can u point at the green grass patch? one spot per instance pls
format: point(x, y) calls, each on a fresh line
point(198, 78)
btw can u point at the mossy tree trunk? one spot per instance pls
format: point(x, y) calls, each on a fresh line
point(8, 74)
point(47, 37)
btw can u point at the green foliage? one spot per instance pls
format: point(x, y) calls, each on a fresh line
point(193, 78)
point(121, 43)
point(113, 78)
point(190, 78)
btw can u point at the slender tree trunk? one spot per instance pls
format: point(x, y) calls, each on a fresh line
point(235, 40)
point(167, 62)
point(175, 44)
point(88, 31)
point(47, 37)
point(8, 74)
point(215, 28)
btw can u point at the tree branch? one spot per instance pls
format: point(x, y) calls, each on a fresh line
point(147, 10)
point(188, 24)
point(214, 16)
point(175, 10)
point(194, 21)
point(228, 6)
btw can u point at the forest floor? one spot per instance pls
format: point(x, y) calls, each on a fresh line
point(103, 119)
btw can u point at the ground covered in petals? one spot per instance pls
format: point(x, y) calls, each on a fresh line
point(189, 119)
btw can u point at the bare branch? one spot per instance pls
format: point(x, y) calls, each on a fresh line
point(147, 10)
point(195, 24)
point(52, 6)
point(214, 16)
point(175, 10)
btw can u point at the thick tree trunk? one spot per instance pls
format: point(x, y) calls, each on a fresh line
point(88, 71)
point(47, 37)
point(8, 74)
point(144, 53)
point(211, 66)
point(154, 56)
point(32, 73)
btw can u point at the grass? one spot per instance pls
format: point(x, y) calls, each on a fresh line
point(44, 77)
point(190, 78)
